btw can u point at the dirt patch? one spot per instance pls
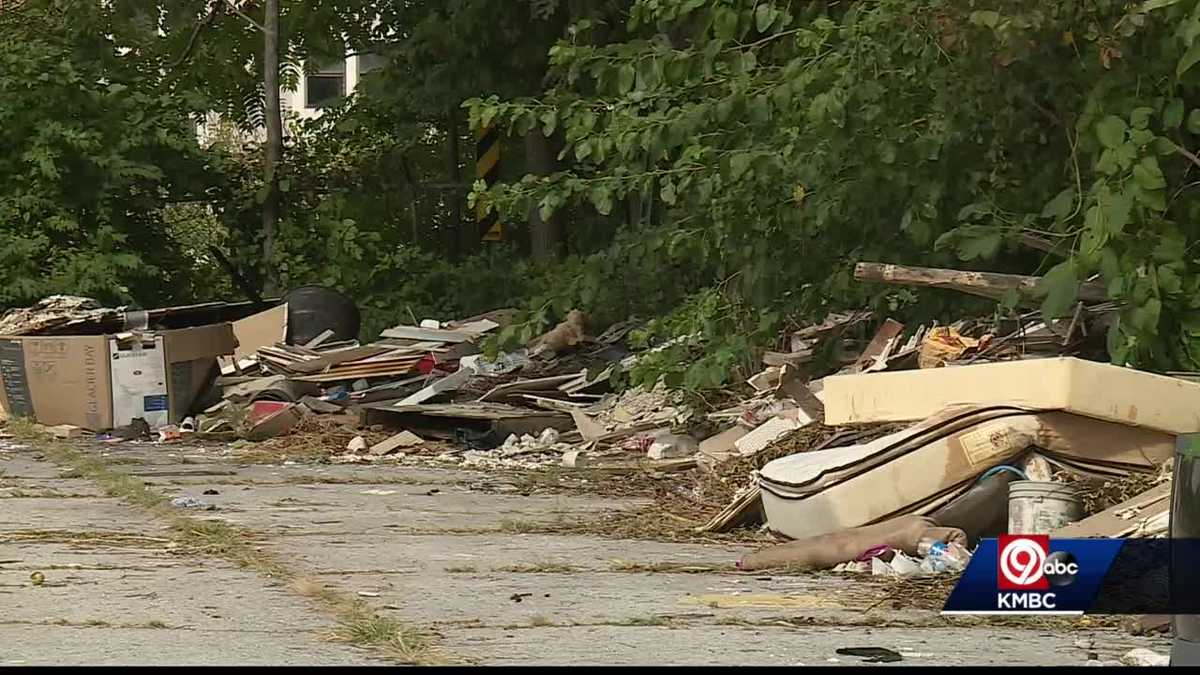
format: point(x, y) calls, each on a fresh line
point(684, 501)
point(83, 540)
point(313, 440)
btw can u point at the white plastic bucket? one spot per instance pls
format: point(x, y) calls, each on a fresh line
point(1040, 507)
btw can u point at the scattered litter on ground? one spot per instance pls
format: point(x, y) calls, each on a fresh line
point(1140, 656)
point(192, 503)
point(872, 654)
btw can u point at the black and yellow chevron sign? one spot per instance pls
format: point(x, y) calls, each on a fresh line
point(487, 169)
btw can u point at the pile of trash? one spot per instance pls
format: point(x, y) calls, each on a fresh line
point(1008, 430)
point(545, 405)
point(933, 436)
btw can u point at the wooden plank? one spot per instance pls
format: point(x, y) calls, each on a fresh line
point(386, 357)
point(528, 386)
point(334, 358)
point(476, 411)
point(478, 327)
point(986, 284)
point(448, 383)
point(239, 366)
point(338, 375)
point(433, 418)
point(318, 340)
point(638, 466)
point(418, 333)
point(834, 321)
point(373, 368)
point(553, 403)
point(746, 508)
point(877, 348)
point(793, 358)
point(302, 352)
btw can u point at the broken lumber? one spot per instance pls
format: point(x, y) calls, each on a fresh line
point(985, 284)
point(879, 347)
point(530, 386)
point(789, 358)
point(334, 358)
point(1122, 519)
point(448, 383)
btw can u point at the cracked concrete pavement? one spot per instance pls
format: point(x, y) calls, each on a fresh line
point(430, 547)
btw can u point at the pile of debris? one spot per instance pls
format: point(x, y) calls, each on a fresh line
point(544, 405)
point(931, 436)
point(1008, 431)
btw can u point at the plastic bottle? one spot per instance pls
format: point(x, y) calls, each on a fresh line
point(941, 556)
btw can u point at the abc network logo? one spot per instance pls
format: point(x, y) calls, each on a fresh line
point(1025, 563)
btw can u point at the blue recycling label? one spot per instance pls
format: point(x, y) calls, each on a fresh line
point(156, 403)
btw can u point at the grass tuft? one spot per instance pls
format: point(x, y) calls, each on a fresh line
point(397, 639)
point(540, 568)
point(521, 526)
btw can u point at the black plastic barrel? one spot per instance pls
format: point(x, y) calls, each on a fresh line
point(314, 309)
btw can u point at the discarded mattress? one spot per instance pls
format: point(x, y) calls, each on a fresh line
point(922, 468)
point(1097, 390)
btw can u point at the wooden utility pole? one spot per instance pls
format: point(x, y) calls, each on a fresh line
point(274, 149)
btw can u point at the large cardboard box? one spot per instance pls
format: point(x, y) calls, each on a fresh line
point(69, 379)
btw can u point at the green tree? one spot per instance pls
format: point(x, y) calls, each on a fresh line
point(777, 143)
point(93, 150)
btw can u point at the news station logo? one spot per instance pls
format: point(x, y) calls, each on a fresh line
point(1036, 574)
point(1026, 570)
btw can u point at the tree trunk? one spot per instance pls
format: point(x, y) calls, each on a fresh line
point(274, 150)
point(546, 236)
point(984, 284)
point(454, 172)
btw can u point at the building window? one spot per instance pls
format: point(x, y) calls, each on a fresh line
point(325, 85)
point(368, 62)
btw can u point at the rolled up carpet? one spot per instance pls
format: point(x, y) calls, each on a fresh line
point(827, 550)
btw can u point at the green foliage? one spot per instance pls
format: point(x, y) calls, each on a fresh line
point(93, 151)
point(786, 141)
point(749, 150)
